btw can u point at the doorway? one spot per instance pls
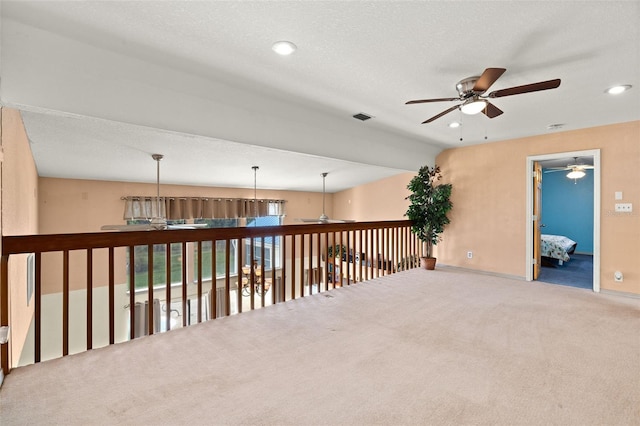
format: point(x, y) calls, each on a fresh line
point(534, 224)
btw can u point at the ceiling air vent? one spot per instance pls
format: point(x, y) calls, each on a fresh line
point(362, 116)
point(556, 126)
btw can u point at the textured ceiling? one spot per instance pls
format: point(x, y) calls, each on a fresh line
point(105, 84)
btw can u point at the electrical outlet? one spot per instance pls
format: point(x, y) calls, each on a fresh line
point(469, 255)
point(624, 207)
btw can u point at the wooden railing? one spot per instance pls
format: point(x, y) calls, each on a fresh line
point(298, 267)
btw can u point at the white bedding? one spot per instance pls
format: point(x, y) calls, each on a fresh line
point(557, 247)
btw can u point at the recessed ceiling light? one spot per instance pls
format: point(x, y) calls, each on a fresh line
point(454, 124)
point(284, 48)
point(616, 90)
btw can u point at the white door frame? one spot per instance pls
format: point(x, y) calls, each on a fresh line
point(595, 153)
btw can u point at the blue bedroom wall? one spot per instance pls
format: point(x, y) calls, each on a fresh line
point(567, 208)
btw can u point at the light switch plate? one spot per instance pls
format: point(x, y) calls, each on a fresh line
point(618, 195)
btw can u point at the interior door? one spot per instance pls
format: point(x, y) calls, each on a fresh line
point(537, 218)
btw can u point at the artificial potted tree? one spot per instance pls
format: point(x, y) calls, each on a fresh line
point(429, 204)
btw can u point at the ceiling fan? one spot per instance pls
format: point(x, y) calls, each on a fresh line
point(576, 170)
point(323, 217)
point(471, 93)
point(156, 223)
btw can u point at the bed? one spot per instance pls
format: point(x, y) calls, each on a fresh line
point(557, 247)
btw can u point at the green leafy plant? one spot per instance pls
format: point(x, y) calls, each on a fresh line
point(429, 204)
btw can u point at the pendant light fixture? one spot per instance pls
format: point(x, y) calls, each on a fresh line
point(255, 195)
point(323, 216)
point(158, 222)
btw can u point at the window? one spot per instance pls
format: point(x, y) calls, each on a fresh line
point(270, 243)
point(159, 264)
point(220, 250)
point(141, 261)
point(257, 250)
point(177, 256)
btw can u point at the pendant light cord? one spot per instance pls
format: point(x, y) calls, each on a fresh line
point(158, 157)
point(255, 194)
point(324, 175)
point(324, 215)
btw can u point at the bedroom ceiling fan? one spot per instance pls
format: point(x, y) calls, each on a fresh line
point(323, 217)
point(576, 170)
point(156, 223)
point(471, 93)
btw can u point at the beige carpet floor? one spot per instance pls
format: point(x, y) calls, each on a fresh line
point(442, 348)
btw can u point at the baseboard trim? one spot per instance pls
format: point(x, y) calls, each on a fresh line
point(477, 271)
point(620, 293)
point(519, 278)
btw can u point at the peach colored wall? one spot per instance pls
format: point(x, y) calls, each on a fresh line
point(489, 201)
point(70, 206)
point(380, 200)
point(19, 216)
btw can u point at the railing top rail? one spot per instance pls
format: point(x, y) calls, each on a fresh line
point(16, 244)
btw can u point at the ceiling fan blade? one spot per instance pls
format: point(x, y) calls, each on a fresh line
point(142, 227)
point(187, 226)
point(552, 170)
point(149, 227)
point(579, 167)
point(435, 117)
point(422, 101)
point(488, 77)
point(326, 220)
point(491, 110)
point(527, 88)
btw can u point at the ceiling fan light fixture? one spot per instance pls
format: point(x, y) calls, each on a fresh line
point(616, 90)
point(471, 92)
point(576, 174)
point(473, 106)
point(284, 47)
